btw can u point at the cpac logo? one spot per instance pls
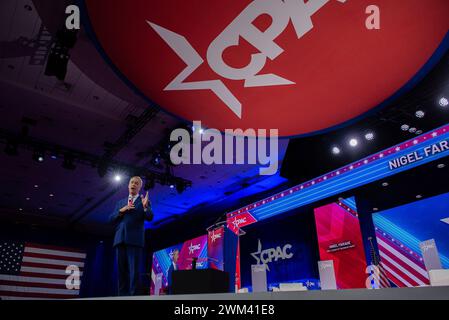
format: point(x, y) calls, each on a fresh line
point(193, 248)
point(214, 236)
point(266, 256)
point(238, 222)
point(281, 12)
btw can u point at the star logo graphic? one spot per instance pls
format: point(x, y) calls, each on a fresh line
point(193, 247)
point(257, 255)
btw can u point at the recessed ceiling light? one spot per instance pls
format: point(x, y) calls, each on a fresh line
point(441, 165)
point(418, 196)
point(384, 184)
point(405, 127)
point(353, 142)
point(443, 102)
point(412, 130)
point(27, 199)
point(20, 209)
point(336, 150)
point(375, 209)
point(369, 136)
point(51, 195)
point(40, 208)
point(420, 114)
point(36, 186)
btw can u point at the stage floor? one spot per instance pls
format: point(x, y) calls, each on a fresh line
point(422, 293)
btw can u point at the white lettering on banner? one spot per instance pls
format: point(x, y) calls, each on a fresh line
point(281, 12)
point(193, 248)
point(416, 156)
point(214, 236)
point(268, 255)
point(238, 222)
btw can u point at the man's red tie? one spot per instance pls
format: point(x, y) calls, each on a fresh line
point(130, 201)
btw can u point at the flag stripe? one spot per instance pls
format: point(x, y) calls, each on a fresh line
point(51, 256)
point(387, 267)
point(400, 269)
point(32, 284)
point(45, 270)
point(33, 279)
point(56, 252)
point(39, 290)
point(43, 265)
point(55, 248)
point(402, 257)
point(44, 275)
point(56, 262)
point(36, 295)
point(414, 274)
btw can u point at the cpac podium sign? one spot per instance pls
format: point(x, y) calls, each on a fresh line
point(294, 65)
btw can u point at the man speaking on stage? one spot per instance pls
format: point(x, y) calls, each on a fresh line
point(129, 216)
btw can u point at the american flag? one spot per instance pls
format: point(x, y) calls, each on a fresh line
point(35, 271)
point(383, 277)
point(403, 265)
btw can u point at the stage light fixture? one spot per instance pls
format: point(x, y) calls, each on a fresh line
point(443, 102)
point(412, 130)
point(38, 156)
point(405, 127)
point(118, 178)
point(384, 184)
point(369, 136)
point(418, 196)
point(420, 114)
point(418, 132)
point(172, 186)
point(441, 165)
point(336, 150)
point(353, 142)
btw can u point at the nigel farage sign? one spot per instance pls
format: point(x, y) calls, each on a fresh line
point(419, 155)
point(293, 65)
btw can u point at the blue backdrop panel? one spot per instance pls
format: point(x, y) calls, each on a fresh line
point(288, 246)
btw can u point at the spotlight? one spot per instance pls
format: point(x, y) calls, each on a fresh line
point(418, 196)
point(11, 149)
point(68, 162)
point(38, 156)
point(405, 127)
point(118, 178)
point(353, 142)
point(420, 114)
point(412, 130)
point(336, 150)
point(172, 186)
point(418, 132)
point(441, 165)
point(443, 102)
point(369, 136)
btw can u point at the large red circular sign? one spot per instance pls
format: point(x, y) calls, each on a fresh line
point(293, 65)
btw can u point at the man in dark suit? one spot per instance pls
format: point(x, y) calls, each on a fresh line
point(173, 267)
point(129, 216)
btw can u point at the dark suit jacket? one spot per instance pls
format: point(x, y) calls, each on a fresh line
point(129, 228)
